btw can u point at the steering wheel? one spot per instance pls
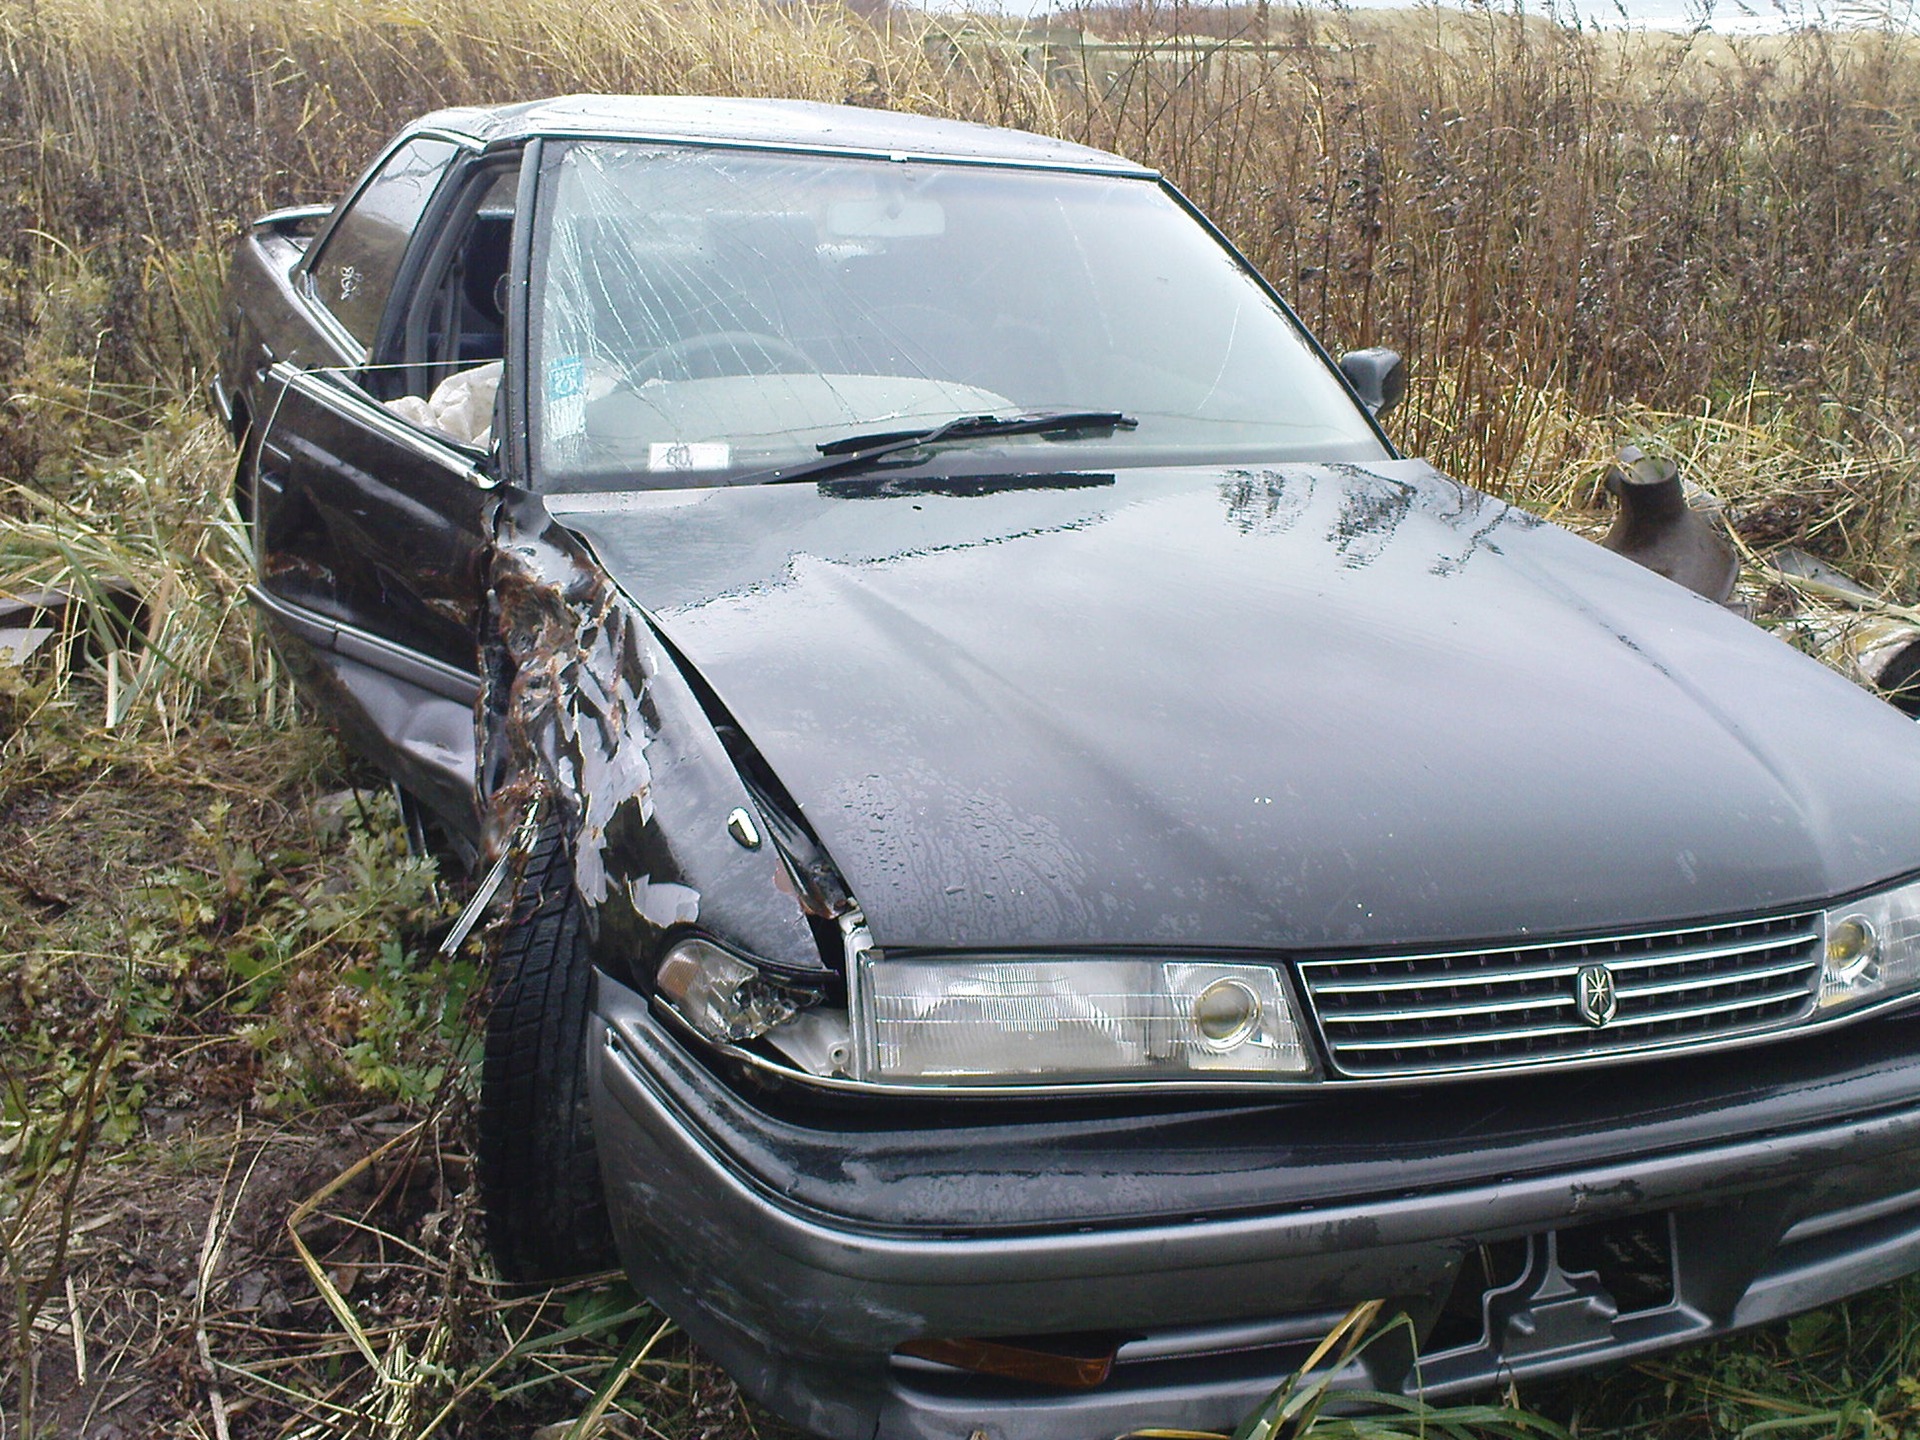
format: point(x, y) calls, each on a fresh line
point(756, 353)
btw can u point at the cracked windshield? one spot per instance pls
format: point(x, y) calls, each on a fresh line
point(717, 316)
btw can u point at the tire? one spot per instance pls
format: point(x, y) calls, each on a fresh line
point(539, 1169)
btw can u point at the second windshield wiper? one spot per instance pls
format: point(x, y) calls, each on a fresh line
point(851, 452)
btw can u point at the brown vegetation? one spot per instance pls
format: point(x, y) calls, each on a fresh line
point(1543, 220)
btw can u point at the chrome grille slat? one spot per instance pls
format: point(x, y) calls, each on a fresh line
point(1549, 972)
point(1705, 982)
point(1618, 1027)
point(1548, 1002)
point(1475, 1037)
point(1390, 1017)
point(1516, 1006)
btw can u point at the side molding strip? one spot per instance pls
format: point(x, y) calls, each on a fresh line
point(434, 676)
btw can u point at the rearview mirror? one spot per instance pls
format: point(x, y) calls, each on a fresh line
point(895, 219)
point(1378, 377)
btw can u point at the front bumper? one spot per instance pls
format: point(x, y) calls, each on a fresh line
point(1222, 1243)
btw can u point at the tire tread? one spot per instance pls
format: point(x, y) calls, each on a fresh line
point(539, 1166)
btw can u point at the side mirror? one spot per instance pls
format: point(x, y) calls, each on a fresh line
point(1378, 377)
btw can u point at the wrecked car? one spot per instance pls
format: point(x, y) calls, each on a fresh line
point(1036, 860)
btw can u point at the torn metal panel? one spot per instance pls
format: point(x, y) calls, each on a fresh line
point(100, 615)
point(585, 709)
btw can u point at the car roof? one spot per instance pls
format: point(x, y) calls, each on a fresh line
point(777, 124)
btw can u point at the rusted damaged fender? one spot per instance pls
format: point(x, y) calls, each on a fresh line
point(583, 708)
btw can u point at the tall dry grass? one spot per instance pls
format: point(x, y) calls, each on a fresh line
point(1611, 218)
point(1555, 226)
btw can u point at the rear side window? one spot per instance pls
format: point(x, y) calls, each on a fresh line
point(355, 273)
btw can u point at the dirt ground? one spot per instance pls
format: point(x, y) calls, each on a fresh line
point(215, 1223)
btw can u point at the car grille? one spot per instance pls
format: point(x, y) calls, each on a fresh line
point(1517, 1006)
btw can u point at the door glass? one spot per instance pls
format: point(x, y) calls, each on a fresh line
point(459, 319)
point(355, 273)
point(443, 367)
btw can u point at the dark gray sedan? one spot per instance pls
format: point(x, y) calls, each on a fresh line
point(1036, 860)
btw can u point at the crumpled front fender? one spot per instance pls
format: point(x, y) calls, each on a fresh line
point(583, 709)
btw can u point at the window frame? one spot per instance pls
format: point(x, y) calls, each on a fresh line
point(466, 148)
point(399, 351)
point(513, 449)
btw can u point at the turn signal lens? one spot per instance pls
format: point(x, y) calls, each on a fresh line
point(1040, 1363)
point(722, 996)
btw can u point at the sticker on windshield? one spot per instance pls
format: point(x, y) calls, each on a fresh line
point(566, 396)
point(681, 455)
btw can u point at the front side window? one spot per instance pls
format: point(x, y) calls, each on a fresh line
point(704, 316)
point(353, 276)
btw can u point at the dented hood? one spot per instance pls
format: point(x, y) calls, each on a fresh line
point(1312, 706)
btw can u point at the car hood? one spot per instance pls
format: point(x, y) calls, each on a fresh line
point(1314, 706)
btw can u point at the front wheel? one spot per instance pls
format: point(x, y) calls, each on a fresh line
point(539, 1169)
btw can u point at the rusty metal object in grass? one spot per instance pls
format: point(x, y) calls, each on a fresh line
point(1883, 653)
point(1861, 636)
point(1657, 528)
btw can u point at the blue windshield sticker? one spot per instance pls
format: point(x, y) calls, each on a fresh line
point(566, 377)
point(566, 396)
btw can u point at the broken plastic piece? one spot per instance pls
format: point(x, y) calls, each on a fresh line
point(98, 616)
point(17, 643)
point(722, 996)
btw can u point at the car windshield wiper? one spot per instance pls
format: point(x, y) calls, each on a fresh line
point(851, 452)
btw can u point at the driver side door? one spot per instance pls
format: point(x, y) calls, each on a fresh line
point(372, 522)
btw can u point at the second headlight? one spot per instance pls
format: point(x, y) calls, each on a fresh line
point(1872, 949)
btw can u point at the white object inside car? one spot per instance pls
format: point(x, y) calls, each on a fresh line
point(461, 405)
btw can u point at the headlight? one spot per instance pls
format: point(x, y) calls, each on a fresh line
point(982, 1022)
point(1872, 949)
